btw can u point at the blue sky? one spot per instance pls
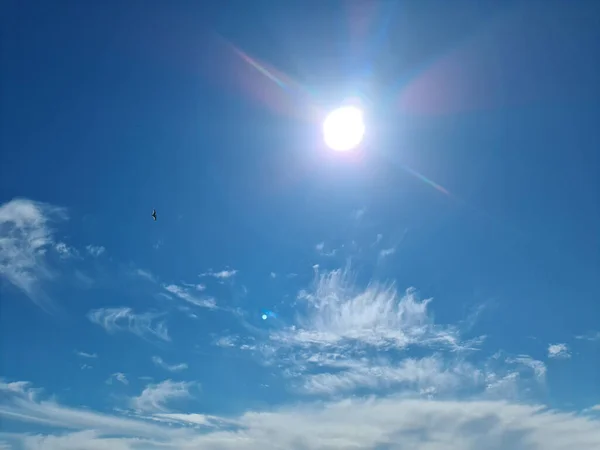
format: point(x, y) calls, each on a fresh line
point(435, 288)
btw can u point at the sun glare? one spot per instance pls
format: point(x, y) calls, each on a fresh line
point(343, 128)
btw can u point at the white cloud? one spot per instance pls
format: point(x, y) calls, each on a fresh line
point(185, 294)
point(320, 248)
point(25, 237)
point(591, 336)
point(387, 252)
point(378, 239)
point(146, 275)
point(119, 376)
point(64, 251)
point(95, 250)
point(124, 319)
point(339, 314)
point(538, 367)
point(273, 275)
point(172, 368)
point(86, 367)
point(83, 279)
point(155, 396)
point(337, 342)
point(22, 403)
point(222, 275)
point(226, 341)
point(391, 422)
point(429, 374)
point(86, 355)
point(88, 440)
point(559, 351)
point(359, 213)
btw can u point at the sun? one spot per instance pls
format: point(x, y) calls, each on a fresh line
point(343, 128)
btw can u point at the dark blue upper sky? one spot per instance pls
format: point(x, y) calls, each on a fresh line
point(477, 183)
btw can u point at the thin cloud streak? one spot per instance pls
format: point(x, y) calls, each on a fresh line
point(143, 325)
point(157, 360)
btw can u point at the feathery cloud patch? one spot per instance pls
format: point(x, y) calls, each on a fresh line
point(346, 339)
point(185, 294)
point(170, 367)
point(387, 252)
point(337, 313)
point(221, 275)
point(65, 252)
point(558, 351)
point(118, 376)
point(155, 397)
point(95, 250)
point(25, 238)
point(592, 336)
point(86, 355)
point(146, 275)
point(143, 325)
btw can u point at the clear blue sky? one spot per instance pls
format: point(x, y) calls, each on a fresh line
point(437, 286)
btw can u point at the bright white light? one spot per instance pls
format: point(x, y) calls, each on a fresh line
point(343, 129)
point(264, 317)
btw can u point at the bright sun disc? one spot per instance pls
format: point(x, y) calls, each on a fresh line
point(343, 128)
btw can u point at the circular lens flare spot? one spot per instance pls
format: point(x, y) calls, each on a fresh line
point(343, 128)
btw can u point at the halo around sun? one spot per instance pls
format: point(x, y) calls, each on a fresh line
point(343, 128)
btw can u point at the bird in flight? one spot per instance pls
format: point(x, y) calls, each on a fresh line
point(154, 214)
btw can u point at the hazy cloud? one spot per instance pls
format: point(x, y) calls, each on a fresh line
point(143, 325)
point(170, 367)
point(558, 351)
point(185, 294)
point(155, 396)
point(95, 250)
point(25, 238)
point(86, 355)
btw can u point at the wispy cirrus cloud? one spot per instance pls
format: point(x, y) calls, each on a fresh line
point(320, 248)
point(170, 367)
point(420, 375)
point(191, 296)
point(143, 325)
point(146, 275)
point(26, 236)
point(226, 341)
point(338, 313)
point(154, 397)
point(345, 338)
point(221, 275)
point(391, 422)
point(65, 251)
point(387, 252)
point(538, 367)
point(86, 355)
point(118, 376)
point(558, 351)
point(23, 402)
point(95, 250)
point(592, 336)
